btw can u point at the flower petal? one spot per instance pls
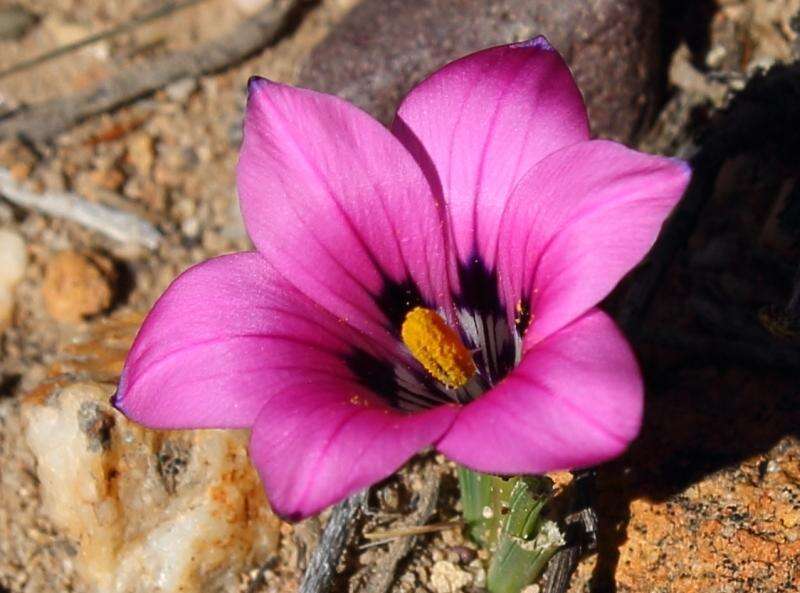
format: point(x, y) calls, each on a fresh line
point(481, 122)
point(337, 204)
point(225, 335)
point(574, 401)
point(577, 223)
point(314, 445)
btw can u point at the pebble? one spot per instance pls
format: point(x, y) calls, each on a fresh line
point(78, 285)
point(109, 179)
point(464, 554)
point(446, 577)
point(141, 153)
point(18, 159)
point(13, 259)
point(180, 90)
point(479, 576)
point(383, 47)
point(190, 228)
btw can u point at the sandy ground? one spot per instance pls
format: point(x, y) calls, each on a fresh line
point(169, 159)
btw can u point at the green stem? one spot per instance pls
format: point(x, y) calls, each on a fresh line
point(504, 516)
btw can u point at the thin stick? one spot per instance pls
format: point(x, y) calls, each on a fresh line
point(376, 543)
point(42, 122)
point(114, 224)
point(130, 25)
point(391, 534)
point(322, 565)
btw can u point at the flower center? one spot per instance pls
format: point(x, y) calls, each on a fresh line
point(437, 347)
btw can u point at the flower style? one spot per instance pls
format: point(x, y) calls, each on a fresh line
point(432, 284)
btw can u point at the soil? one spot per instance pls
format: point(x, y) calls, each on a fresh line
point(708, 499)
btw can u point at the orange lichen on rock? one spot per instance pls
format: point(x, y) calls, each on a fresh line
point(732, 527)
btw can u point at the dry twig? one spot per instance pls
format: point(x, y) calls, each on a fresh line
point(392, 534)
point(114, 224)
point(43, 122)
point(125, 27)
point(322, 565)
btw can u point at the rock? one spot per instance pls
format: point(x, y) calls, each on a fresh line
point(18, 159)
point(15, 21)
point(684, 75)
point(78, 285)
point(141, 153)
point(110, 179)
point(383, 47)
point(191, 228)
point(149, 511)
point(166, 511)
point(737, 526)
point(13, 259)
point(180, 90)
point(446, 577)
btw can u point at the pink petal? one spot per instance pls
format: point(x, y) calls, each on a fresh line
point(481, 122)
point(574, 401)
point(577, 223)
point(314, 445)
point(224, 336)
point(336, 203)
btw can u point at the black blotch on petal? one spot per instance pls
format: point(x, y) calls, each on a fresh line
point(480, 296)
point(396, 299)
point(478, 288)
point(375, 374)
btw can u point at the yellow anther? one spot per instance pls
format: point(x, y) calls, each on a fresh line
point(437, 347)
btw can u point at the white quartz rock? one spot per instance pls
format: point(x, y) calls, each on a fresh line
point(151, 511)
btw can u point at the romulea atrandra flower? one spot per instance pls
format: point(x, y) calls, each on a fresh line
point(435, 283)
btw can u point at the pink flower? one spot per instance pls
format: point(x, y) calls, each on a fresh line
point(435, 284)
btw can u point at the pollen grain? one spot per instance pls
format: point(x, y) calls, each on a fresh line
point(437, 347)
